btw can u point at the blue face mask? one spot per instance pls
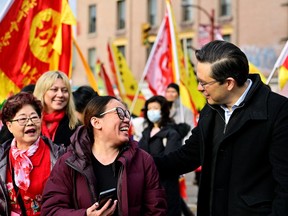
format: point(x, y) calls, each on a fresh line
point(154, 115)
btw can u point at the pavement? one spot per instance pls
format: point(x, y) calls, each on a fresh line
point(192, 191)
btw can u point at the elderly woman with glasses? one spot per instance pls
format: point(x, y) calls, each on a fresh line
point(102, 158)
point(26, 159)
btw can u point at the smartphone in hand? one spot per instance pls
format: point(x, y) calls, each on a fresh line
point(104, 196)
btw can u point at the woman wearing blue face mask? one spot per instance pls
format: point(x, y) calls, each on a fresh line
point(159, 138)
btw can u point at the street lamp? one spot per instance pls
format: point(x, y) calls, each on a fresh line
point(210, 16)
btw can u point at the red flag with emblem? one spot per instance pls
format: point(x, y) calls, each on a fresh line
point(159, 69)
point(35, 36)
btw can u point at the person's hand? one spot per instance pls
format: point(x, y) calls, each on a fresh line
point(104, 211)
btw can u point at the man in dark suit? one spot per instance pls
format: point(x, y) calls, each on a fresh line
point(241, 140)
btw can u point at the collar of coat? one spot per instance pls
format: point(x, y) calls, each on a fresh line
point(81, 146)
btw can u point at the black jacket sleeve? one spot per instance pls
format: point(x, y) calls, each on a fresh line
point(183, 160)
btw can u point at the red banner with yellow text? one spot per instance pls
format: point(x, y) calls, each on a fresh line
point(35, 36)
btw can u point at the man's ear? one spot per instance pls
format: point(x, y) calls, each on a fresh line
point(96, 122)
point(231, 83)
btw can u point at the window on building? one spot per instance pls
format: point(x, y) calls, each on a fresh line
point(121, 14)
point(148, 49)
point(92, 19)
point(92, 58)
point(225, 8)
point(152, 12)
point(187, 47)
point(121, 49)
point(227, 37)
point(187, 10)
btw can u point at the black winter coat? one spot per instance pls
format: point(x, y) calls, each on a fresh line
point(248, 175)
point(63, 132)
point(162, 143)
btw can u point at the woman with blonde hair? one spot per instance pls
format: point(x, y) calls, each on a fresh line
point(53, 89)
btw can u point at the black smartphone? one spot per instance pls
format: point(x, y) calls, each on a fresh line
point(104, 196)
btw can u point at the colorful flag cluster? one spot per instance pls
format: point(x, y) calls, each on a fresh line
point(35, 36)
point(126, 82)
point(166, 64)
point(105, 77)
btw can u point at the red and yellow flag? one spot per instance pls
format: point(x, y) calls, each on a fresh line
point(283, 73)
point(282, 65)
point(159, 72)
point(106, 79)
point(254, 70)
point(185, 70)
point(126, 82)
point(35, 36)
point(166, 64)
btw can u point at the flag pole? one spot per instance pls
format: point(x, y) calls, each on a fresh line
point(174, 45)
point(88, 71)
point(175, 54)
point(147, 65)
point(279, 61)
point(271, 75)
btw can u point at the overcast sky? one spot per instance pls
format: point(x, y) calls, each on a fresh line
point(3, 7)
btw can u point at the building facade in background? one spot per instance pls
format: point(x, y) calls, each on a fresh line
point(260, 28)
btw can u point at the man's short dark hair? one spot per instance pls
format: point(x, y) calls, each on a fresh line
point(227, 61)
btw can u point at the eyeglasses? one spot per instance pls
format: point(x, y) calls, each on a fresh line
point(24, 121)
point(120, 112)
point(207, 84)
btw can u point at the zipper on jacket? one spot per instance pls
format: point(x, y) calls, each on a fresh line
point(119, 186)
point(76, 169)
point(225, 126)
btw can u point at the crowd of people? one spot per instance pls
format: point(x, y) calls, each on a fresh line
point(65, 152)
